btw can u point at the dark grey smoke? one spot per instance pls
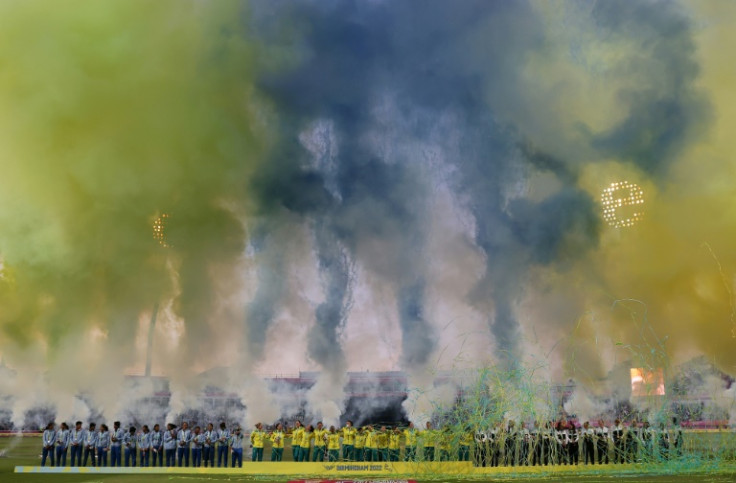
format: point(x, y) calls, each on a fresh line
point(364, 196)
point(270, 250)
point(323, 342)
point(665, 110)
point(462, 61)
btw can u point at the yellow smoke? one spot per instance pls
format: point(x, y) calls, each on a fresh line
point(111, 113)
point(679, 260)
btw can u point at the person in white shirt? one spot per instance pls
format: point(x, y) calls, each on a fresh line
point(90, 443)
point(561, 443)
point(116, 440)
point(103, 445)
point(62, 442)
point(157, 446)
point(144, 444)
point(49, 440)
point(573, 444)
point(524, 445)
point(183, 439)
point(495, 435)
point(588, 444)
point(170, 444)
point(236, 447)
point(510, 444)
point(208, 451)
point(548, 444)
point(223, 442)
point(197, 445)
point(130, 442)
point(617, 432)
point(76, 443)
point(601, 442)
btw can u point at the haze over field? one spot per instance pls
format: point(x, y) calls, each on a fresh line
point(359, 185)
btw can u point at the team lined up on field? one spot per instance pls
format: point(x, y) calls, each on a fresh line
point(504, 444)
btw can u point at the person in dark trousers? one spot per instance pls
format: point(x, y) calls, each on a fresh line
point(601, 442)
point(561, 443)
point(236, 448)
point(76, 444)
point(524, 445)
point(647, 439)
point(170, 445)
point(536, 445)
point(632, 442)
point(617, 432)
point(116, 440)
point(197, 445)
point(573, 444)
point(144, 444)
point(676, 439)
point(130, 442)
point(103, 445)
point(157, 446)
point(208, 450)
point(183, 440)
point(494, 444)
point(510, 444)
point(62, 442)
point(90, 444)
point(548, 444)
point(588, 444)
point(49, 441)
point(663, 443)
point(223, 442)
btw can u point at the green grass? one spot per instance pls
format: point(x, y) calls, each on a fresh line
point(26, 452)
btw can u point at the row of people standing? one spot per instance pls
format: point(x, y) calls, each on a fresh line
point(504, 444)
point(564, 443)
point(184, 446)
point(378, 443)
point(147, 447)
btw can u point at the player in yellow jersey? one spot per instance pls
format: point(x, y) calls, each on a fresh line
point(304, 446)
point(394, 444)
point(428, 440)
point(410, 443)
point(382, 444)
point(320, 441)
point(466, 439)
point(277, 443)
point(358, 450)
point(348, 441)
point(257, 438)
point(443, 443)
point(333, 444)
point(296, 440)
point(371, 448)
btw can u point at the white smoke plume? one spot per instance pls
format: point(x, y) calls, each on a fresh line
point(326, 399)
point(585, 405)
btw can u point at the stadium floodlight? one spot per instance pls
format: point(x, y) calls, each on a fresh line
point(647, 382)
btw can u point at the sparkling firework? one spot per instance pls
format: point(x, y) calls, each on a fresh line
point(619, 195)
point(159, 230)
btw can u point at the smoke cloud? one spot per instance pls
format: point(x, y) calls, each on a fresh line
point(444, 161)
point(114, 114)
